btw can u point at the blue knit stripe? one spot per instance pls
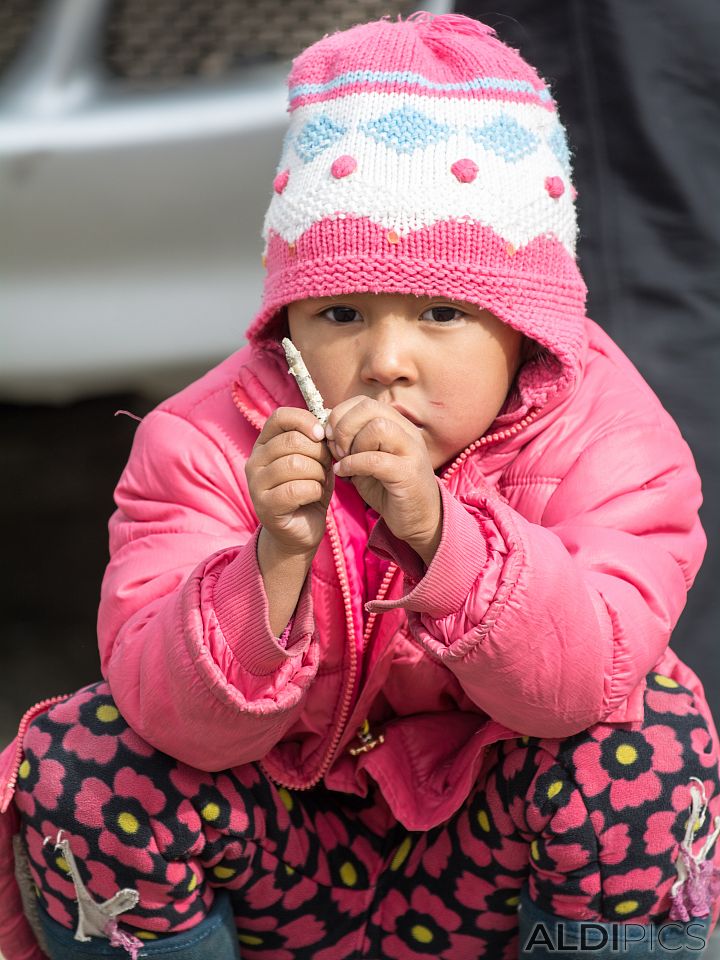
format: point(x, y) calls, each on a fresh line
point(405, 77)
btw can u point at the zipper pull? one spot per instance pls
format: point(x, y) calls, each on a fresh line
point(367, 740)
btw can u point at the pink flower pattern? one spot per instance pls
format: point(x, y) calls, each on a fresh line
point(421, 925)
point(588, 827)
point(95, 728)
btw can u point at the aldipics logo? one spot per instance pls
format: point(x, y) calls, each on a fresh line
point(615, 938)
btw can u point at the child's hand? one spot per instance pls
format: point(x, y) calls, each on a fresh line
point(390, 467)
point(290, 480)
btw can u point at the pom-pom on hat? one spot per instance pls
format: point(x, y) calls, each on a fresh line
point(425, 157)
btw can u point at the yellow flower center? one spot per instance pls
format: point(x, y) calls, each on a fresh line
point(24, 771)
point(422, 934)
point(534, 850)
point(63, 864)
point(348, 874)
point(249, 940)
point(192, 883)
point(128, 823)
point(554, 789)
point(286, 797)
point(626, 906)
point(223, 873)
point(662, 681)
point(211, 811)
point(626, 754)
point(401, 854)
point(107, 713)
point(483, 820)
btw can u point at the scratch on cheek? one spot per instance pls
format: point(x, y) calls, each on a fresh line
point(437, 403)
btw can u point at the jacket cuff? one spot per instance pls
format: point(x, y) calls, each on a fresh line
point(242, 612)
point(443, 588)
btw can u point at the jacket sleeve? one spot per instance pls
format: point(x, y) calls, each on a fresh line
point(549, 627)
point(184, 634)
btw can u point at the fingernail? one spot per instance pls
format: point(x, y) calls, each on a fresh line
point(337, 467)
point(328, 431)
point(318, 431)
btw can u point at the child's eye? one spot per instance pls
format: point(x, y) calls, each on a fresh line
point(340, 314)
point(443, 314)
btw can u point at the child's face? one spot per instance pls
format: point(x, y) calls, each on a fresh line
point(447, 363)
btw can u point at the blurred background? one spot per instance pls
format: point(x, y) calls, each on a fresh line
point(138, 142)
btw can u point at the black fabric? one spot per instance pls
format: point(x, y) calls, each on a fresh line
point(638, 86)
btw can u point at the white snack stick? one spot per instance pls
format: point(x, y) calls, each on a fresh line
point(296, 366)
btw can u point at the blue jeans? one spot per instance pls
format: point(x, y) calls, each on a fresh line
point(214, 938)
point(543, 935)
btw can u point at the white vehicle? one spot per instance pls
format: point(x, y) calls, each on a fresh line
point(138, 142)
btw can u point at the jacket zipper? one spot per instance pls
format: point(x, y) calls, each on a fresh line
point(385, 586)
point(40, 707)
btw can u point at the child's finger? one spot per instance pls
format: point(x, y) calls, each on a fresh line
point(295, 466)
point(290, 496)
point(384, 433)
point(339, 411)
point(294, 442)
point(387, 468)
point(348, 417)
point(364, 428)
point(287, 419)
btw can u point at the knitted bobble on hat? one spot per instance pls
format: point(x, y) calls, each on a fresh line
point(450, 24)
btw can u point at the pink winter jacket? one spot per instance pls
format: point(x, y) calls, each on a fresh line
point(570, 538)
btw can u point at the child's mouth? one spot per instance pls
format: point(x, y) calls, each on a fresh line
point(408, 416)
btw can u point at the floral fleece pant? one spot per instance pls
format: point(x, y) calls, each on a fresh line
point(593, 826)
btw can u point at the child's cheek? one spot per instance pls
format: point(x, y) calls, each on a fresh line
point(331, 387)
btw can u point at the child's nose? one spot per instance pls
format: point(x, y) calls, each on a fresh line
point(388, 356)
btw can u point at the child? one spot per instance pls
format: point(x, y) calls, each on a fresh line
point(401, 687)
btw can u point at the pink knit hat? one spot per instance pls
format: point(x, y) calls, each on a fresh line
point(426, 157)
